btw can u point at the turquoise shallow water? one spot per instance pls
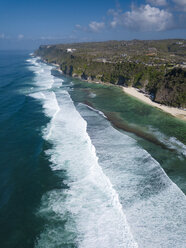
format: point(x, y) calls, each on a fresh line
point(70, 177)
point(162, 135)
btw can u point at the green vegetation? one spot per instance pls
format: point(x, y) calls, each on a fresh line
point(154, 67)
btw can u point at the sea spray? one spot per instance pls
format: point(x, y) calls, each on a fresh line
point(90, 207)
point(155, 207)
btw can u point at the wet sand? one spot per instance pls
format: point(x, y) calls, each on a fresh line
point(179, 113)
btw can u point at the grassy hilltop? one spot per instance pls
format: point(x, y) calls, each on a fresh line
point(155, 67)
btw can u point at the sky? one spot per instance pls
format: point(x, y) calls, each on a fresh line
point(26, 24)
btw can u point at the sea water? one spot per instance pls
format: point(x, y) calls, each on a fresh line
point(70, 178)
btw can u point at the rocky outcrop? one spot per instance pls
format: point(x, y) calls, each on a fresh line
point(172, 91)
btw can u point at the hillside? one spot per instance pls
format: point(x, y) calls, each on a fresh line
point(157, 68)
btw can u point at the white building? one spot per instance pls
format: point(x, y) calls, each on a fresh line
point(70, 50)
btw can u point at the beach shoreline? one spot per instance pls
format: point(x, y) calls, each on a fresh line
point(176, 112)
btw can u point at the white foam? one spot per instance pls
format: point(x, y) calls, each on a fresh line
point(155, 207)
point(170, 142)
point(92, 95)
point(93, 109)
point(128, 199)
point(43, 78)
point(58, 82)
point(90, 206)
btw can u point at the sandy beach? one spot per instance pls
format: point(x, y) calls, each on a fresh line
point(176, 112)
point(179, 113)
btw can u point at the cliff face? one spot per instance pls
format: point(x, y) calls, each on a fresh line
point(165, 85)
point(172, 90)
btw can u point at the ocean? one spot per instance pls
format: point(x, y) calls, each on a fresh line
point(85, 165)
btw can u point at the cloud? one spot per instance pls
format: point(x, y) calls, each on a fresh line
point(50, 38)
point(180, 4)
point(96, 26)
point(148, 18)
point(157, 2)
point(155, 16)
point(79, 27)
point(20, 36)
point(144, 18)
point(117, 16)
point(92, 27)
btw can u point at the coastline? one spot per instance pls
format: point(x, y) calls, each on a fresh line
point(176, 112)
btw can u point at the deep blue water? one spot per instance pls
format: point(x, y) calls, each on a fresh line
point(68, 178)
point(24, 171)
